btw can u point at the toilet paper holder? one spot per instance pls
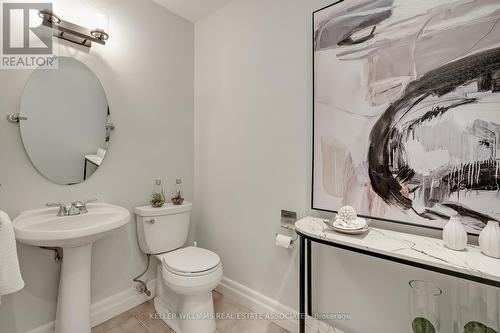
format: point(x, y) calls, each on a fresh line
point(292, 229)
point(288, 219)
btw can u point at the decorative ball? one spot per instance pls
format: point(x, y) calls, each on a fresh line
point(347, 214)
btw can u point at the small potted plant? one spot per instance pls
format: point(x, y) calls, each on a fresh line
point(157, 200)
point(178, 199)
point(158, 196)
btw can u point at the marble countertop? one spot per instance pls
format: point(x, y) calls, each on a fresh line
point(419, 249)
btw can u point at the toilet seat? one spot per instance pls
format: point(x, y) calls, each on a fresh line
point(190, 261)
point(192, 284)
point(190, 270)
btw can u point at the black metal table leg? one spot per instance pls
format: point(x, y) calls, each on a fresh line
point(309, 278)
point(302, 286)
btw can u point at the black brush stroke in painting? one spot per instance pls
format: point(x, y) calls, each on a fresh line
point(385, 137)
point(339, 30)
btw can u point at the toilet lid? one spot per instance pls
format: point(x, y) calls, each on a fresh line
point(190, 260)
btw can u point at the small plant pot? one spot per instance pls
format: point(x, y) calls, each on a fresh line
point(157, 200)
point(158, 204)
point(177, 201)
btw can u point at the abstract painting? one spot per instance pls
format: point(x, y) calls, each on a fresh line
point(407, 110)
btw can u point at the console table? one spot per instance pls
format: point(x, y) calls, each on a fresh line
point(407, 249)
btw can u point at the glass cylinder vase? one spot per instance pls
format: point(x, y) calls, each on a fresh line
point(158, 196)
point(424, 300)
point(475, 308)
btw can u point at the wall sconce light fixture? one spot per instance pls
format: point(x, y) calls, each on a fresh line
point(72, 32)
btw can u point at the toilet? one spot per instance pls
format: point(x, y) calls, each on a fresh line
point(187, 274)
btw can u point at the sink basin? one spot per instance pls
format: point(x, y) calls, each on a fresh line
point(75, 234)
point(42, 227)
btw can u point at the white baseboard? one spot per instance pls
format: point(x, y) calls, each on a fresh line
point(109, 307)
point(258, 302)
point(119, 303)
point(47, 328)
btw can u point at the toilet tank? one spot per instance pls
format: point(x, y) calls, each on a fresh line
point(163, 229)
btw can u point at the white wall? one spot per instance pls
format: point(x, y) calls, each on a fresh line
point(147, 72)
point(253, 130)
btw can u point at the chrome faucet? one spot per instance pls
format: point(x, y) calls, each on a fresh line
point(79, 207)
point(63, 211)
point(76, 208)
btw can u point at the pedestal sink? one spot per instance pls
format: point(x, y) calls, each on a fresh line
point(75, 234)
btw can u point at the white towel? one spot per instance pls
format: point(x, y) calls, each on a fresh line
point(10, 274)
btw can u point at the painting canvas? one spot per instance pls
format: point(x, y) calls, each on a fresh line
point(407, 110)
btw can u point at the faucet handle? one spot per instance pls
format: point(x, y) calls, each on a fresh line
point(54, 204)
point(63, 211)
point(82, 205)
point(90, 200)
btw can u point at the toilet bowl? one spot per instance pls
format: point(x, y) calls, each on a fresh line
point(186, 276)
point(191, 273)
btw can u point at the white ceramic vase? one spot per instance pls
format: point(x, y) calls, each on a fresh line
point(454, 235)
point(489, 239)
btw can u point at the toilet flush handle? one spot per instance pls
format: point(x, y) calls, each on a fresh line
point(152, 221)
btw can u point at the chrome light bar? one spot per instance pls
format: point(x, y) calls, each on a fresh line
point(72, 32)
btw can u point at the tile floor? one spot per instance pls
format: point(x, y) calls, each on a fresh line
point(138, 320)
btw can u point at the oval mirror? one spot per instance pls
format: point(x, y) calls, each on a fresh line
point(65, 122)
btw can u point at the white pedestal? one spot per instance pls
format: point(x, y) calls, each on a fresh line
point(73, 306)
